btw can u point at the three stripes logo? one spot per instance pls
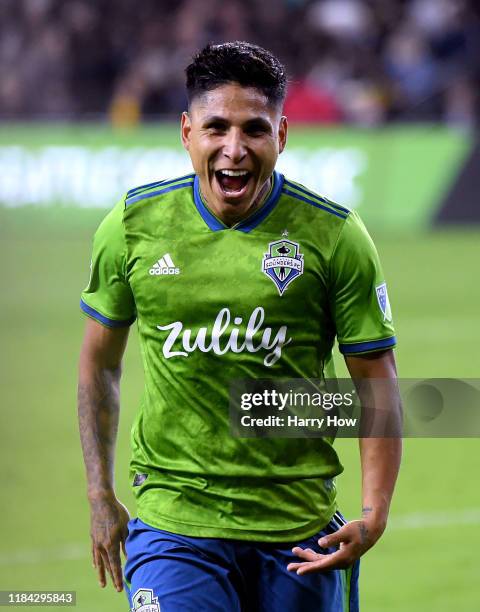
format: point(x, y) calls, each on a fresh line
point(164, 266)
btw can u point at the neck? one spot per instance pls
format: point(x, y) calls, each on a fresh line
point(230, 216)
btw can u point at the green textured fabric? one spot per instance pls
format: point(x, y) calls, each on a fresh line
point(215, 315)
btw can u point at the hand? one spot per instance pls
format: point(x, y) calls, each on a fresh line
point(353, 540)
point(108, 530)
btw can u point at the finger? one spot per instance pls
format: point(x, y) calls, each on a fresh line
point(106, 562)
point(94, 563)
point(100, 568)
point(305, 553)
point(293, 567)
point(334, 539)
point(124, 548)
point(116, 567)
point(337, 560)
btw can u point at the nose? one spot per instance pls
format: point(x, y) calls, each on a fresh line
point(234, 146)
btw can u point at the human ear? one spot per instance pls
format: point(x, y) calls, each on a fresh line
point(185, 129)
point(282, 133)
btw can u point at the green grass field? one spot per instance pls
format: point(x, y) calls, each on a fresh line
point(428, 559)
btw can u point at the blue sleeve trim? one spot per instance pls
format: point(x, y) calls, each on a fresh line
point(91, 312)
point(363, 347)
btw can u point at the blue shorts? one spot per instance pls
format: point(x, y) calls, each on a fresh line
point(168, 572)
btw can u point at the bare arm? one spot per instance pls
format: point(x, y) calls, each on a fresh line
point(380, 457)
point(380, 460)
point(98, 412)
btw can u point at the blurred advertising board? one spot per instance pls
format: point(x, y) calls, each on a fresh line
point(396, 177)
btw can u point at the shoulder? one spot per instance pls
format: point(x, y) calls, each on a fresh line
point(318, 202)
point(109, 237)
point(158, 188)
point(354, 244)
point(112, 223)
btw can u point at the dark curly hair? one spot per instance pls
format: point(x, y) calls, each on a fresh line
point(236, 62)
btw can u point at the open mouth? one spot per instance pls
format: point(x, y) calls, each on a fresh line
point(233, 182)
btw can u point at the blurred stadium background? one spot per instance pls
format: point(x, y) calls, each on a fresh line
point(384, 113)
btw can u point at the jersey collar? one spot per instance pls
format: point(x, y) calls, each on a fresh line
point(250, 222)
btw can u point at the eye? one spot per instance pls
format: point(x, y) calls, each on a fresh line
point(216, 127)
point(257, 129)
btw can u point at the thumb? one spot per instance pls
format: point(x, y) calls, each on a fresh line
point(333, 539)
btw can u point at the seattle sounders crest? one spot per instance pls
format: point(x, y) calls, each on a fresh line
point(144, 601)
point(283, 263)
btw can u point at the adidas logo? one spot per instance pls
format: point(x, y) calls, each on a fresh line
point(164, 266)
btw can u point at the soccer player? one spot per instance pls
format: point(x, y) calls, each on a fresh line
point(227, 523)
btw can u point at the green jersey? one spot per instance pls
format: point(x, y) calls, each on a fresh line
point(265, 298)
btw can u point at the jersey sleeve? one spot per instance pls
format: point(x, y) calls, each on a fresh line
point(108, 297)
point(358, 297)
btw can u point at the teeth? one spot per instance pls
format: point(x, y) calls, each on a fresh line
point(234, 172)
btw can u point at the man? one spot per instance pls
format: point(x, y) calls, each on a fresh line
point(230, 523)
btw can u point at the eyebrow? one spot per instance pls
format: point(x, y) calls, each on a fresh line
point(214, 119)
point(254, 121)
